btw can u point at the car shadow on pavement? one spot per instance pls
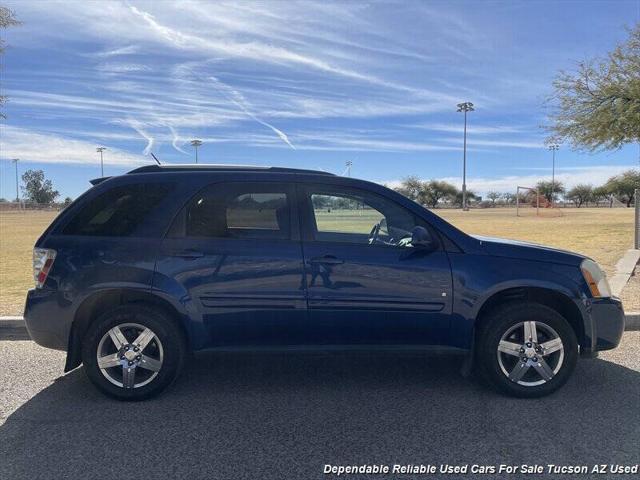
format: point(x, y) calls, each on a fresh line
point(286, 416)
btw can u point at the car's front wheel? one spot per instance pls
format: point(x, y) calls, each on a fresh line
point(526, 349)
point(133, 352)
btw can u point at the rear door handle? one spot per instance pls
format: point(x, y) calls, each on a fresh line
point(187, 254)
point(326, 260)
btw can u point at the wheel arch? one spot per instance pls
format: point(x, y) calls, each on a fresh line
point(554, 299)
point(102, 301)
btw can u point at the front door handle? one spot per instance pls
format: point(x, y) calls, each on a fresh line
point(187, 254)
point(326, 260)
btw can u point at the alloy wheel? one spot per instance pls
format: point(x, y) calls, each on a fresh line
point(130, 355)
point(530, 353)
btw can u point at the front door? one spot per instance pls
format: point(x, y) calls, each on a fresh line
point(234, 256)
point(366, 283)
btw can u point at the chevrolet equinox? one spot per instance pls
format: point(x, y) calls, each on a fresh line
point(147, 267)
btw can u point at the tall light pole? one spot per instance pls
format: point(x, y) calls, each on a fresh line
point(195, 144)
point(465, 107)
point(15, 162)
point(554, 148)
point(100, 150)
point(349, 164)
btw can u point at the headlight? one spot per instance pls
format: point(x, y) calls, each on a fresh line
point(595, 278)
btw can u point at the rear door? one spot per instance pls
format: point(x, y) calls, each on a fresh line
point(234, 255)
point(366, 283)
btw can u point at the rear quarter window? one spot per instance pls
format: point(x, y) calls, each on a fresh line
point(118, 212)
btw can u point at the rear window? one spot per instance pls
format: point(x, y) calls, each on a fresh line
point(118, 212)
point(237, 210)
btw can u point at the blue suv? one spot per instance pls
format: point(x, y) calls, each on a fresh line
point(147, 267)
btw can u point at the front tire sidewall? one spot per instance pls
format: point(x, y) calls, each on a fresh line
point(165, 329)
point(502, 320)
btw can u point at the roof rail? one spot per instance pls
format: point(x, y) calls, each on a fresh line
point(204, 167)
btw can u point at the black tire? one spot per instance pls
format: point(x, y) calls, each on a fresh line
point(167, 334)
point(497, 323)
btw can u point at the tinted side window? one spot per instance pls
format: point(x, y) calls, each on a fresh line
point(119, 211)
point(358, 216)
point(242, 210)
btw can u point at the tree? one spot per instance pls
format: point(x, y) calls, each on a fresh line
point(546, 190)
point(623, 185)
point(7, 19)
point(426, 193)
point(509, 198)
point(602, 193)
point(435, 190)
point(580, 194)
point(37, 189)
point(493, 196)
point(411, 187)
point(67, 201)
point(457, 198)
point(598, 106)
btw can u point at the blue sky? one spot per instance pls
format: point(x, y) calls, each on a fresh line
point(309, 84)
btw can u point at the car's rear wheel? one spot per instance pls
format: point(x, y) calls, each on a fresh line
point(133, 352)
point(526, 349)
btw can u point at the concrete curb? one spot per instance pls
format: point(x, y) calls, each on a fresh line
point(624, 269)
point(632, 322)
point(12, 323)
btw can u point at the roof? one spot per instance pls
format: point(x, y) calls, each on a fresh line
point(204, 167)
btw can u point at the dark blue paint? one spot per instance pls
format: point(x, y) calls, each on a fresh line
point(252, 293)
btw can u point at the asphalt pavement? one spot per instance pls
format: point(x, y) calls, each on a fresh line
point(263, 416)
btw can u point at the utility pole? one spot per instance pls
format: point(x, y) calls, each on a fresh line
point(100, 150)
point(15, 161)
point(465, 107)
point(349, 164)
point(554, 148)
point(195, 144)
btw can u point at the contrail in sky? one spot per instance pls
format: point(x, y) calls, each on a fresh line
point(150, 141)
point(175, 140)
point(238, 99)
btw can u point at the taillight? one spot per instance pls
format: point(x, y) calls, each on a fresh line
point(42, 262)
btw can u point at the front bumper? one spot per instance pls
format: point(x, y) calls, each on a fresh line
point(607, 324)
point(46, 320)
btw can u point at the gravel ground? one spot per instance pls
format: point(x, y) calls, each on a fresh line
point(259, 416)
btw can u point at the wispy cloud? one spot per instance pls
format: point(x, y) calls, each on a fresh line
point(175, 141)
point(238, 99)
point(33, 146)
point(255, 79)
point(128, 50)
point(138, 127)
point(472, 129)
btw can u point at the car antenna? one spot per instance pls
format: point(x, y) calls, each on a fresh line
point(155, 158)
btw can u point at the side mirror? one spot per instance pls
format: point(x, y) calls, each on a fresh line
point(420, 238)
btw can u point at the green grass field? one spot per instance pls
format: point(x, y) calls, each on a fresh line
point(603, 234)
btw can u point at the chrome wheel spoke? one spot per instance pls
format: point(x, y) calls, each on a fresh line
point(538, 343)
point(109, 361)
point(530, 333)
point(551, 346)
point(150, 363)
point(138, 369)
point(128, 376)
point(509, 348)
point(117, 337)
point(144, 338)
point(542, 367)
point(518, 371)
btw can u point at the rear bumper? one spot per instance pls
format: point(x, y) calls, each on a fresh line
point(45, 319)
point(607, 323)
